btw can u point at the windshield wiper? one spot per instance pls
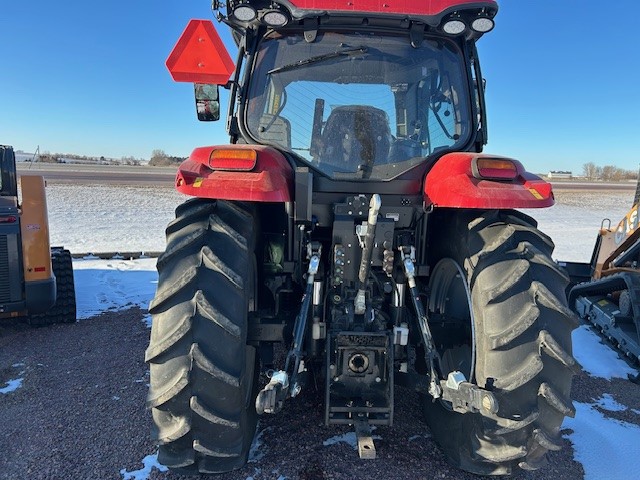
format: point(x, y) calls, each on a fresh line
point(319, 58)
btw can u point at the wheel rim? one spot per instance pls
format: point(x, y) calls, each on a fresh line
point(450, 307)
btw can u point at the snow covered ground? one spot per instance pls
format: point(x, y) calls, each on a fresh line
point(573, 222)
point(103, 285)
point(119, 218)
point(111, 218)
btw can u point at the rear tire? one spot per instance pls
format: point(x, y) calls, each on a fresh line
point(498, 284)
point(203, 375)
point(64, 310)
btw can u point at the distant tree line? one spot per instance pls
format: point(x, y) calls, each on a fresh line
point(47, 157)
point(609, 172)
point(161, 159)
point(158, 158)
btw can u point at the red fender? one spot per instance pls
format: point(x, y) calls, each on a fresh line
point(267, 179)
point(452, 183)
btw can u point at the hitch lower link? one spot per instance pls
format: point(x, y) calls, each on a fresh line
point(465, 397)
point(285, 383)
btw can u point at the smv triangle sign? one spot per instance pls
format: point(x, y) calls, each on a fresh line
point(200, 56)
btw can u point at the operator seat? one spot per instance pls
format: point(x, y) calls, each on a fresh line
point(355, 138)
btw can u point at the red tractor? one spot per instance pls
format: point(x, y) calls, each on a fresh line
point(353, 220)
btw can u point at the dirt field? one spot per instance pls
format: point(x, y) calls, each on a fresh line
point(80, 414)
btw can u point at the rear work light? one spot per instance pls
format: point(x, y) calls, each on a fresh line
point(482, 24)
point(243, 160)
point(245, 13)
point(454, 27)
point(494, 169)
point(275, 18)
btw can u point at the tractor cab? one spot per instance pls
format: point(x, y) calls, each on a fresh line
point(354, 92)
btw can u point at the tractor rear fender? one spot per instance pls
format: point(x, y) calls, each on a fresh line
point(252, 173)
point(476, 180)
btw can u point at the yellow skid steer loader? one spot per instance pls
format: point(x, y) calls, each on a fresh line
point(36, 281)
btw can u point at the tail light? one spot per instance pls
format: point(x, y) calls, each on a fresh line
point(9, 219)
point(243, 160)
point(494, 168)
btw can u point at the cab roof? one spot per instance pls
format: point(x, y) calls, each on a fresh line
point(246, 14)
point(424, 8)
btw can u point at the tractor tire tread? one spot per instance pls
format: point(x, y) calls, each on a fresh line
point(523, 346)
point(201, 369)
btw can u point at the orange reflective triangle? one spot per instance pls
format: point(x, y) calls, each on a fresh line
point(200, 56)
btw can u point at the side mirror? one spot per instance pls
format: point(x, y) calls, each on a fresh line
point(207, 102)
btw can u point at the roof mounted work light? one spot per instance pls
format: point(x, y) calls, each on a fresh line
point(275, 18)
point(454, 26)
point(482, 24)
point(244, 13)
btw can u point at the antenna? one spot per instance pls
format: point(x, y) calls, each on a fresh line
point(37, 154)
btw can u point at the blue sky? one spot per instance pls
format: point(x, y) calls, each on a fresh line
point(89, 78)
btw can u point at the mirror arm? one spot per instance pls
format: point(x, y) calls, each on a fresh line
point(233, 85)
point(228, 85)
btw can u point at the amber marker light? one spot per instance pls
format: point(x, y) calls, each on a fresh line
point(243, 160)
point(494, 169)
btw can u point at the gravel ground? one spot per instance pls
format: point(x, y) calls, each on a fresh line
point(80, 414)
